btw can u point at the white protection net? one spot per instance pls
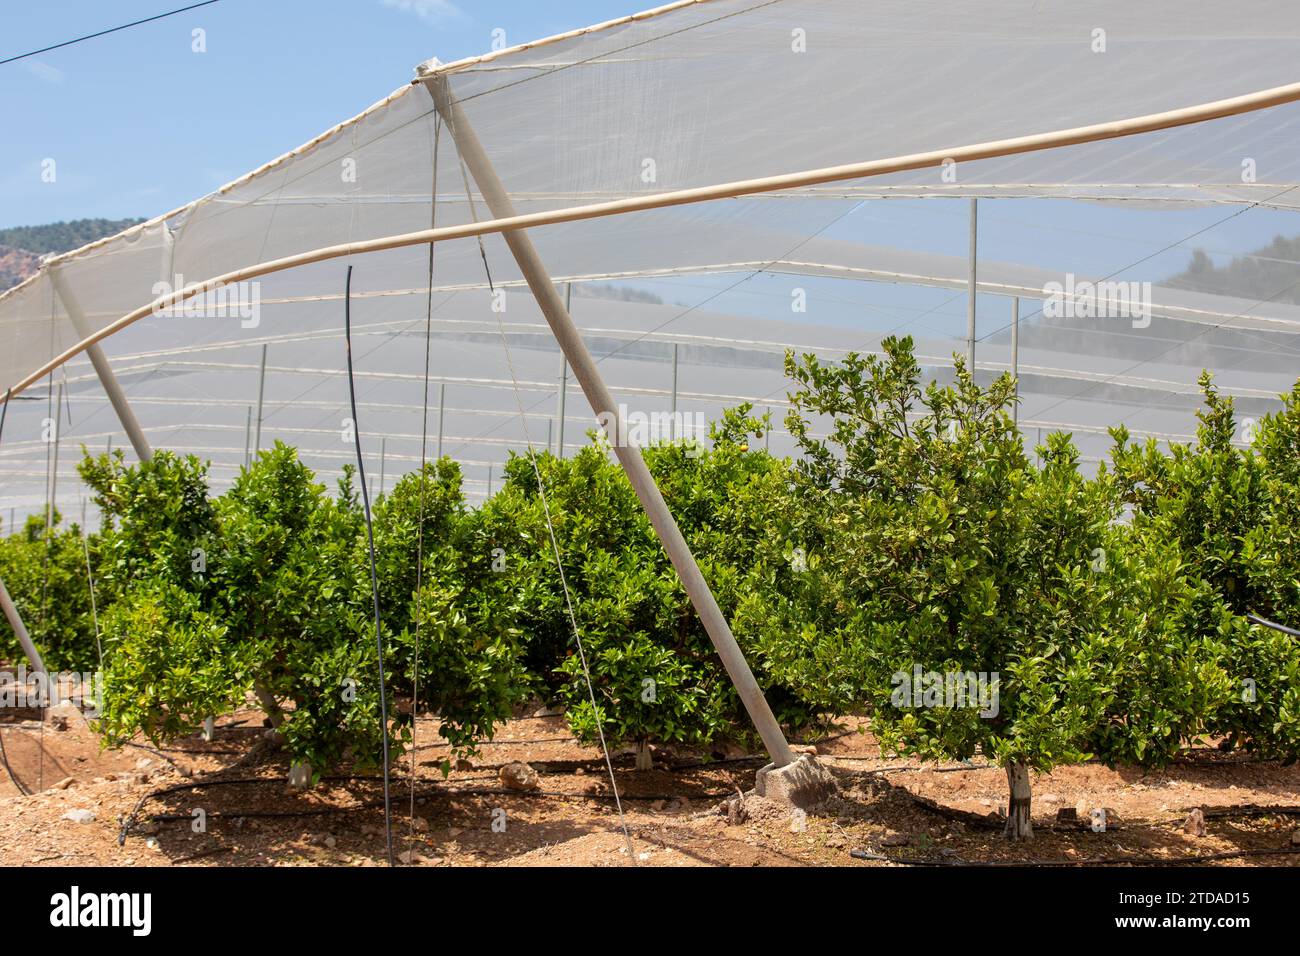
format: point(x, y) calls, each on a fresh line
point(694, 95)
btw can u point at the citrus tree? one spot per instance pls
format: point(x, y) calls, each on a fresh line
point(967, 599)
point(1227, 511)
point(654, 673)
point(46, 575)
point(266, 589)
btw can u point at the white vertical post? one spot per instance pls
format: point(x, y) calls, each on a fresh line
point(673, 408)
point(116, 397)
point(564, 382)
point(442, 406)
point(601, 400)
point(1015, 356)
point(261, 389)
point(973, 287)
point(52, 480)
point(248, 433)
point(383, 460)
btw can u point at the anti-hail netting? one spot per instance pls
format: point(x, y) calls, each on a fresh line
point(700, 94)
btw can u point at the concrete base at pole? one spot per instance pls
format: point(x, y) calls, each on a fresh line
point(805, 783)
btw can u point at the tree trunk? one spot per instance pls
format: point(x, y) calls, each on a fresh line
point(267, 700)
point(1020, 826)
point(644, 759)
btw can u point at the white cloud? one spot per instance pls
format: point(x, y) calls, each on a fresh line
point(44, 72)
point(432, 12)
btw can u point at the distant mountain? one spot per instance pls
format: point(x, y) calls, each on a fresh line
point(1270, 274)
point(16, 265)
point(22, 246)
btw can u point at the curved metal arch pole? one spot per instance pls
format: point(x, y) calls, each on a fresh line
point(602, 400)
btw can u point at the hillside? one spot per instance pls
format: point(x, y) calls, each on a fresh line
point(22, 246)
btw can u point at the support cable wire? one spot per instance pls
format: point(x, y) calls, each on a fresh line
point(424, 448)
point(555, 544)
point(92, 36)
point(374, 576)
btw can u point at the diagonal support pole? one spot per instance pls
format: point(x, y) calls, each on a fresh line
point(602, 400)
point(125, 414)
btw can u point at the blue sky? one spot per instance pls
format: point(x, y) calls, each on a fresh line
point(138, 123)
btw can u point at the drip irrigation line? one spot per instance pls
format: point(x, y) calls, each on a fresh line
point(1090, 861)
point(374, 576)
point(1256, 619)
point(215, 851)
point(101, 33)
point(502, 743)
point(4, 758)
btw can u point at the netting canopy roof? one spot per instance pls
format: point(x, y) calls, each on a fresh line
point(690, 303)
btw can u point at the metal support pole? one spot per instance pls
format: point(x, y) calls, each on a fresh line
point(973, 288)
point(261, 391)
point(1015, 356)
point(383, 461)
point(116, 397)
point(767, 432)
point(16, 622)
point(442, 406)
point(602, 400)
point(489, 494)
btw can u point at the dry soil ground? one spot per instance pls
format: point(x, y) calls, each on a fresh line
point(893, 811)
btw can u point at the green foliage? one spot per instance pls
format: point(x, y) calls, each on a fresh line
point(267, 589)
point(653, 669)
point(946, 551)
point(172, 664)
point(916, 535)
point(46, 577)
point(1229, 515)
point(155, 515)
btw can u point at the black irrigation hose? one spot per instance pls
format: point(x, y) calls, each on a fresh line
point(1256, 619)
point(4, 758)
point(374, 576)
point(1091, 861)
